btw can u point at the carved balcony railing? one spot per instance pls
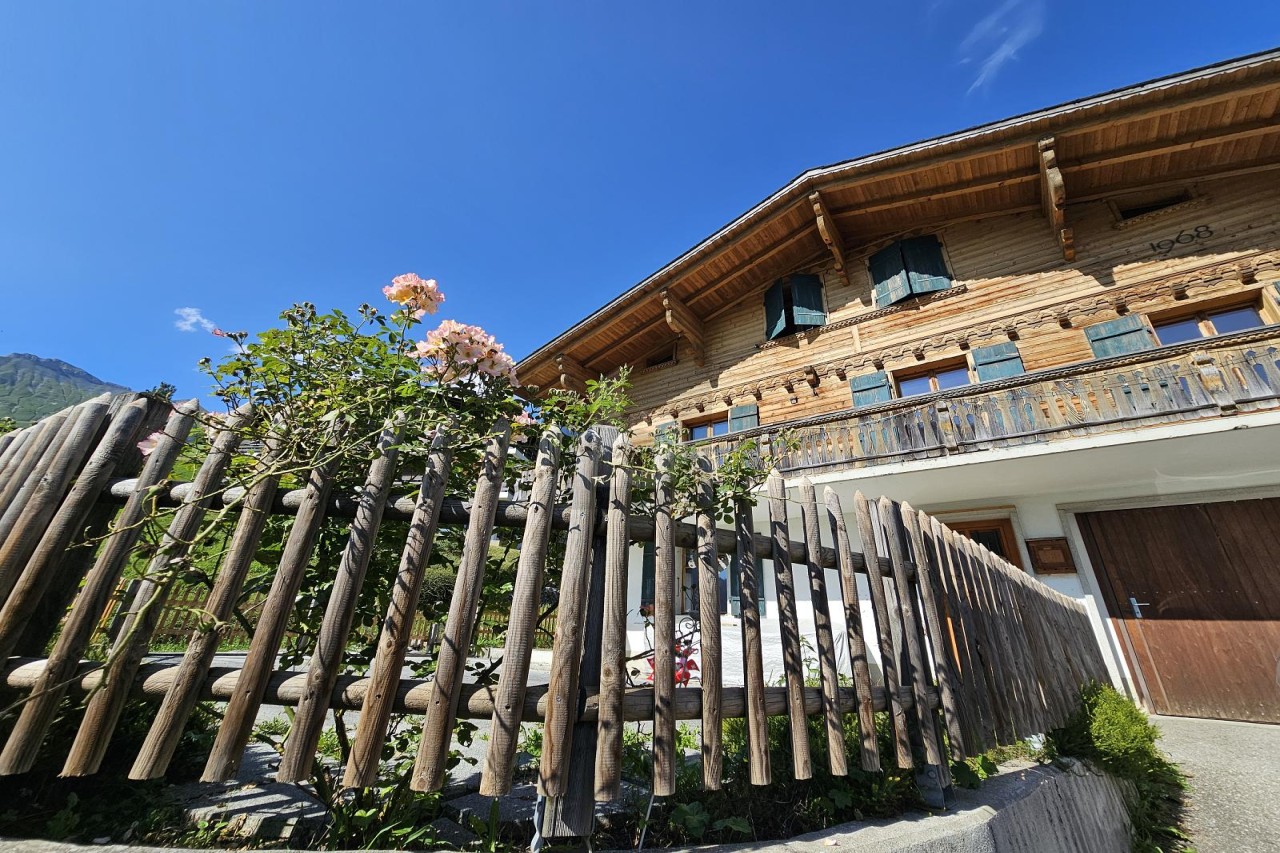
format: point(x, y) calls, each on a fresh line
point(1202, 379)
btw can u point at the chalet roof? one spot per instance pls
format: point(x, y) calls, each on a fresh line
point(1210, 122)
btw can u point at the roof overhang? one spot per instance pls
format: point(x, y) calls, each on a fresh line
point(1209, 122)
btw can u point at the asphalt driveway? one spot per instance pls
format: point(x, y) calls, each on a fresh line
point(1234, 771)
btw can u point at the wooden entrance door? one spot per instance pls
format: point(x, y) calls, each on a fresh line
point(1195, 594)
point(996, 534)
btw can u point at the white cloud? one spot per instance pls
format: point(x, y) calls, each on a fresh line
point(997, 38)
point(190, 318)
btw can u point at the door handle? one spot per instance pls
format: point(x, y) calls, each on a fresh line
point(1137, 606)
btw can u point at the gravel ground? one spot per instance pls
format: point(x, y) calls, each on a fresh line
point(1234, 771)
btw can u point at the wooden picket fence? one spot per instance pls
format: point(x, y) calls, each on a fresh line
point(973, 652)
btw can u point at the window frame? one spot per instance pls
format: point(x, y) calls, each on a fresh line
point(687, 427)
point(1203, 316)
point(931, 370)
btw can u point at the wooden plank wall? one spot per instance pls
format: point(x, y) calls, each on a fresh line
point(976, 652)
point(1012, 275)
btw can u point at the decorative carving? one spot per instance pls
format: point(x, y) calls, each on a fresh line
point(1009, 328)
point(686, 324)
point(573, 376)
point(1053, 197)
point(829, 233)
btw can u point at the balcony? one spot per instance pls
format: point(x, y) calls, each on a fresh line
point(1209, 378)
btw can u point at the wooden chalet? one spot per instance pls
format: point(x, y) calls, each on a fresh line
point(1059, 332)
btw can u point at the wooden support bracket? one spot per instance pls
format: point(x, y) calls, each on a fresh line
point(811, 376)
point(573, 376)
point(829, 233)
point(1053, 196)
point(686, 324)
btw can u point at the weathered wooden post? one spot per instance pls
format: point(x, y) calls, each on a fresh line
point(571, 814)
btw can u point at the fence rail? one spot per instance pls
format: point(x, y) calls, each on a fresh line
point(1208, 379)
point(973, 652)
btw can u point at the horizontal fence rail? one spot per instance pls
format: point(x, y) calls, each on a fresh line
point(1240, 373)
point(972, 651)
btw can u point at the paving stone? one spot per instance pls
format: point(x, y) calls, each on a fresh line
point(450, 833)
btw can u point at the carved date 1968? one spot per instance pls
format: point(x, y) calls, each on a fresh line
point(1163, 247)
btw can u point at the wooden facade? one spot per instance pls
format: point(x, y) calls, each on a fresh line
point(1154, 202)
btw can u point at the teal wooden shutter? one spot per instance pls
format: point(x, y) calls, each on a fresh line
point(889, 275)
point(775, 311)
point(925, 265)
point(806, 300)
point(647, 574)
point(997, 361)
point(669, 432)
point(1116, 337)
point(870, 389)
point(743, 417)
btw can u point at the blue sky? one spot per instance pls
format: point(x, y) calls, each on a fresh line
point(535, 158)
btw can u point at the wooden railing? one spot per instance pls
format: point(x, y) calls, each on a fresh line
point(973, 652)
point(1206, 379)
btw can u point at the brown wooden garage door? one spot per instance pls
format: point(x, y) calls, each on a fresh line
point(1206, 580)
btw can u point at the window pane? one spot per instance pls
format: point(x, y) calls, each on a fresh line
point(1235, 320)
point(719, 428)
point(1178, 331)
point(953, 378)
point(699, 431)
point(914, 386)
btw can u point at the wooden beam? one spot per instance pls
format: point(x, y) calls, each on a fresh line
point(1180, 180)
point(573, 376)
point(685, 324)
point(1053, 196)
point(1186, 142)
point(829, 233)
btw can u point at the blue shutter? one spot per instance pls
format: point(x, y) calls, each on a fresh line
point(870, 389)
point(926, 268)
point(1116, 337)
point(647, 574)
point(669, 432)
point(775, 313)
point(997, 361)
point(743, 417)
point(806, 300)
point(889, 275)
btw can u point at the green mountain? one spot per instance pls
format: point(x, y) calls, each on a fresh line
point(32, 387)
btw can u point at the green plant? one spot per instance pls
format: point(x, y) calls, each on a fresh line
point(1113, 733)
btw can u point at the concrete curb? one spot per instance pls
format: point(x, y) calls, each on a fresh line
point(1024, 809)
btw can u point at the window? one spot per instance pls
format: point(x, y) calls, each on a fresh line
point(936, 379)
point(1116, 337)
point(666, 355)
point(793, 304)
point(908, 267)
point(1133, 206)
point(997, 361)
point(709, 429)
point(1206, 324)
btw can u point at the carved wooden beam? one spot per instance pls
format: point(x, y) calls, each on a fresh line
point(686, 324)
point(573, 376)
point(1053, 197)
point(829, 232)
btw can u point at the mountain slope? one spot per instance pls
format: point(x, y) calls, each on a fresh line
point(32, 387)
